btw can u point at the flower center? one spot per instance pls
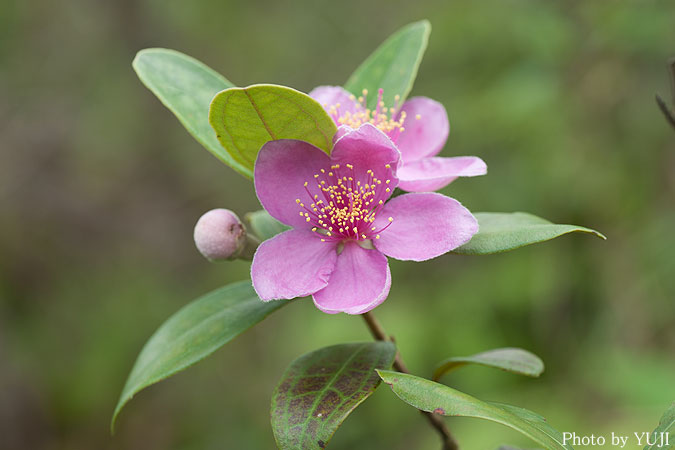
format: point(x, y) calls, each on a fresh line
point(382, 117)
point(342, 207)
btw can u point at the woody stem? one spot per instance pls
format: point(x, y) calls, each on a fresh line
point(449, 442)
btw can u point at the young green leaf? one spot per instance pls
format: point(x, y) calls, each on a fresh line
point(500, 232)
point(247, 118)
point(393, 66)
point(263, 225)
point(434, 397)
point(513, 360)
point(320, 389)
point(186, 86)
point(666, 426)
point(193, 333)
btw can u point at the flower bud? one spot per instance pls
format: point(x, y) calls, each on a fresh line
point(219, 234)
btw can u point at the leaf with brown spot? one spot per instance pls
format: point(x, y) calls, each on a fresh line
point(429, 396)
point(320, 389)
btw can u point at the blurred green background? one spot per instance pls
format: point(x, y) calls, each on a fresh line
point(100, 188)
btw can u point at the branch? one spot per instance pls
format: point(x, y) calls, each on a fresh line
point(449, 442)
point(666, 111)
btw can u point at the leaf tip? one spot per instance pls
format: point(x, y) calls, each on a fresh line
point(136, 62)
point(385, 375)
point(422, 23)
point(144, 51)
point(118, 409)
point(593, 232)
point(113, 421)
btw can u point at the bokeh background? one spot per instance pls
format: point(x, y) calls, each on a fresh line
point(100, 188)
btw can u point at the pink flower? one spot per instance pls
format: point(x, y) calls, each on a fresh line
point(419, 129)
point(344, 222)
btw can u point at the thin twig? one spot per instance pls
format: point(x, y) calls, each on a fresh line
point(449, 442)
point(669, 113)
point(666, 111)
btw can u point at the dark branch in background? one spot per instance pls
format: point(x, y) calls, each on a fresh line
point(449, 442)
point(668, 112)
point(665, 110)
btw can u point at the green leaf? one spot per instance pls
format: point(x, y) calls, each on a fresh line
point(263, 225)
point(186, 87)
point(193, 333)
point(515, 360)
point(666, 425)
point(500, 232)
point(320, 389)
point(434, 397)
point(247, 118)
point(393, 66)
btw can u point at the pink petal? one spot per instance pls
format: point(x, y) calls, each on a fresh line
point(425, 136)
point(292, 264)
point(281, 170)
point(360, 281)
point(329, 96)
point(367, 148)
point(425, 226)
point(342, 130)
point(430, 174)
